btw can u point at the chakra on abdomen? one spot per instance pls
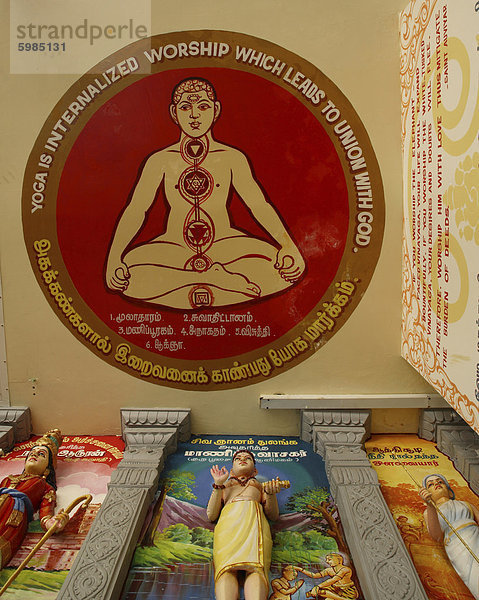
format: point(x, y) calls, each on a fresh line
point(198, 234)
point(195, 185)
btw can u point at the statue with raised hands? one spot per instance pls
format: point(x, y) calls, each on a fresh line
point(34, 489)
point(242, 537)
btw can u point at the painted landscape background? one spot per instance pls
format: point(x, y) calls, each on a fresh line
point(173, 559)
point(419, 458)
point(85, 465)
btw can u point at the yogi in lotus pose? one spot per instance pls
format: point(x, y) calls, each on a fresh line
point(242, 537)
point(200, 259)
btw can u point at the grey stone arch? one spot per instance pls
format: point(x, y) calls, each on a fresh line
point(383, 565)
point(101, 566)
point(455, 438)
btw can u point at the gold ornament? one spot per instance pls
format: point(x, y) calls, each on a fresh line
point(52, 440)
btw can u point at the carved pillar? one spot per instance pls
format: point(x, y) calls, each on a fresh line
point(383, 564)
point(15, 426)
point(456, 439)
point(101, 566)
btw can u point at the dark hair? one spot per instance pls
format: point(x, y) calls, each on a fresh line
point(244, 451)
point(51, 477)
point(192, 85)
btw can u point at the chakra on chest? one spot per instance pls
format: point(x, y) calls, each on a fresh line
point(195, 185)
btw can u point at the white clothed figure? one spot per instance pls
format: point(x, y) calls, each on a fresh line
point(461, 516)
point(464, 517)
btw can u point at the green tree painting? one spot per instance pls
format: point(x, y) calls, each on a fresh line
point(316, 502)
point(176, 483)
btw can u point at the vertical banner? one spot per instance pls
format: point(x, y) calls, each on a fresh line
point(440, 121)
point(447, 562)
point(85, 465)
point(175, 560)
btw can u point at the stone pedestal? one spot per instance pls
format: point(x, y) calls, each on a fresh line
point(383, 565)
point(101, 566)
point(15, 426)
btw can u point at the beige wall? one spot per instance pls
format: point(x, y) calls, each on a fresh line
point(356, 45)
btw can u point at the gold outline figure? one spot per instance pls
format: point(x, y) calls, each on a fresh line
point(201, 259)
point(339, 585)
point(282, 588)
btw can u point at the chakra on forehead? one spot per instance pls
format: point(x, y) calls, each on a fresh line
point(193, 97)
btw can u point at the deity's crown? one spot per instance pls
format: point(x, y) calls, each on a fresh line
point(52, 440)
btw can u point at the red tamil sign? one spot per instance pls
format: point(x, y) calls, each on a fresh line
point(203, 209)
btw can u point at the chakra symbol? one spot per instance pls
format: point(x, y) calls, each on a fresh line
point(200, 264)
point(196, 183)
point(200, 296)
point(194, 149)
point(199, 233)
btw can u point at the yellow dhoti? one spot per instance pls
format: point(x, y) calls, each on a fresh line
point(242, 539)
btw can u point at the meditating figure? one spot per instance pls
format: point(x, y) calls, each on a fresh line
point(34, 489)
point(200, 259)
point(242, 537)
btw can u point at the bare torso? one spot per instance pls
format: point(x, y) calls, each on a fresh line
point(218, 165)
point(236, 492)
point(200, 259)
point(342, 571)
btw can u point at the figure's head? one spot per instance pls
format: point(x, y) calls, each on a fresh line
point(194, 107)
point(41, 459)
point(243, 463)
point(38, 460)
point(289, 572)
point(439, 487)
point(334, 558)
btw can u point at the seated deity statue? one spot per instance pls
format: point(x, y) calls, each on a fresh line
point(200, 259)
